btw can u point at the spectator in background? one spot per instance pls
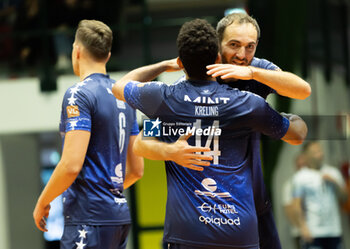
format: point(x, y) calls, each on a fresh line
point(7, 17)
point(66, 14)
point(300, 162)
point(28, 29)
point(317, 190)
point(26, 45)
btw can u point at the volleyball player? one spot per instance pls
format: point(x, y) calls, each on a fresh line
point(97, 161)
point(239, 35)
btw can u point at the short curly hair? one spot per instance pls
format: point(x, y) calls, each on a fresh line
point(198, 46)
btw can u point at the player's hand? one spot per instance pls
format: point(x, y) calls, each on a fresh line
point(172, 65)
point(40, 215)
point(306, 234)
point(185, 155)
point(290, 116)
point(230, 71)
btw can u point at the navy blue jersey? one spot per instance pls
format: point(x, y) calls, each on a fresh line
point(96, 197)
point(214, 207)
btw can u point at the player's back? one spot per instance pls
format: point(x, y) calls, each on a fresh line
point(96, 195)
point(211, 108)
point(215, 207)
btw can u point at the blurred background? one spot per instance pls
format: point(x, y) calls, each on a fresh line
point(307, 37)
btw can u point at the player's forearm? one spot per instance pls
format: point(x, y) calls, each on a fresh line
point(150, 148)
point(148, 73)
point(134, 165)
point(285, 83)
point(142, 74)
point(61, 179)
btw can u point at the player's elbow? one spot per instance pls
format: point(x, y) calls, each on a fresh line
point(296, 133)
point(71, 167)
point(298, 138)
point(138, 173)
point(137, 147)
point(306, 91)
point(294, 141)
point(137, 169)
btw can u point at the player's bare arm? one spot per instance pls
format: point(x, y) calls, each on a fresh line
point(134, 165)
point(285, 83)
point(180, 152)
point(144, 74)
point(66, 171)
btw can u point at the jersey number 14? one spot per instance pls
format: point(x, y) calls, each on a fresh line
point(211, 138)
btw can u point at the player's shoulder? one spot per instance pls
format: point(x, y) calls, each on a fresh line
point(250, 97)
point(80, 86)
point(263, 63)
point(155, 83)
point(236, 94)
point(82, 91)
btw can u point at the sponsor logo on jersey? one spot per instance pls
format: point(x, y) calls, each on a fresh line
point(119, 174)
point(219, 221)
point(120, 200)
point(121, 104)
point(210, 185)
point(73, 111)
point(207, 100)
point(218, 208)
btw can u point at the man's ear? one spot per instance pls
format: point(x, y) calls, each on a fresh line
point(179, 63)
point(218, 59)
point(108, 57)
point(78, 51)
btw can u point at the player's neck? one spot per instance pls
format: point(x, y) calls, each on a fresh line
point(197, 79)
point(89, 68)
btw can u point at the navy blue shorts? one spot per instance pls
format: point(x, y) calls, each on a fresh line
point(94, 237)
point(181, 246)
point(268, 234)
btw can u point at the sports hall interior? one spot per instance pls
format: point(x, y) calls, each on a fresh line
point(310, 38)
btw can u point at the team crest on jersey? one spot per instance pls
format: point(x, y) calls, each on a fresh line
point(73, 111)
